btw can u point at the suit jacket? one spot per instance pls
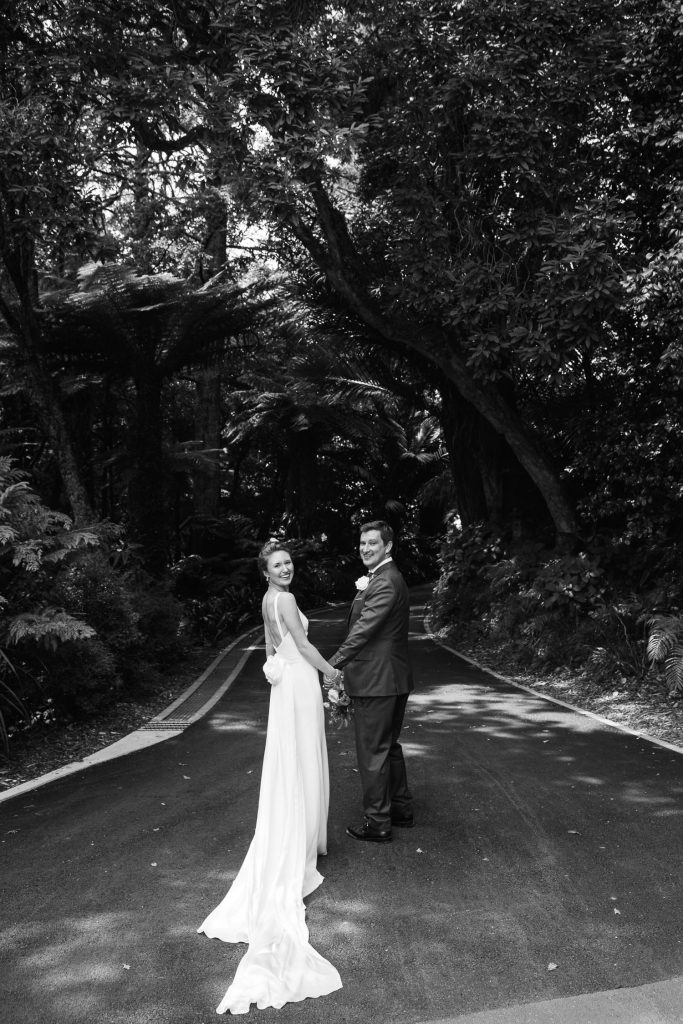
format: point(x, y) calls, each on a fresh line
point(374, 655)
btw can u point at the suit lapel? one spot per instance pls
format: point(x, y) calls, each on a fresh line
point(360, 596)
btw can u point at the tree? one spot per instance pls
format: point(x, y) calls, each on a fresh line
point(146, 328)
point(456, 177)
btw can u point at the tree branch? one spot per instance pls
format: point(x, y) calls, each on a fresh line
point(341, 263)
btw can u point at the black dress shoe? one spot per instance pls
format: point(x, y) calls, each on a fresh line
point(368, 834)
point(408, 822)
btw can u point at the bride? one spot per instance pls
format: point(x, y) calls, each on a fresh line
point(264, 906)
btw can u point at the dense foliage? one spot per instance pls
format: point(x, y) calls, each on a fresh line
point(278, 268)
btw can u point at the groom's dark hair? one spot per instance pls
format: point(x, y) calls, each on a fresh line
point(385, 531)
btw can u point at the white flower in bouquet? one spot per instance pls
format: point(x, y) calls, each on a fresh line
point(340, 706)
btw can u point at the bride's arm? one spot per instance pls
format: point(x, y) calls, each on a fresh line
point(289, 613)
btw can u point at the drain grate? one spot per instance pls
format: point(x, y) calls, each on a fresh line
point(167, 724)
point(182, 714)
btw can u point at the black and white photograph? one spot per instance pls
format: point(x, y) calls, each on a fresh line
point(341, 511)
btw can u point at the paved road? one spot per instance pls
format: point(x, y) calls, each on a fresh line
point(543, 883)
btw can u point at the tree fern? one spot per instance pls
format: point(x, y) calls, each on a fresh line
point(665, 648)
point(49, 628)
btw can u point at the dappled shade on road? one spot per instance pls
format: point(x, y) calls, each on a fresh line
point(543, 837)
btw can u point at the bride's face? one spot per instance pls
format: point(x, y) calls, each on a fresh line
point(280, 569)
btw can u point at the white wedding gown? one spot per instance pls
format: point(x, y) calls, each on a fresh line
point(264, 906)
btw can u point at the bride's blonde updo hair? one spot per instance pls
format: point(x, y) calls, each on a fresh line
point(267, 550)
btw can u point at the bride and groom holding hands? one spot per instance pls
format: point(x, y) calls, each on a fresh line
point(264, 905)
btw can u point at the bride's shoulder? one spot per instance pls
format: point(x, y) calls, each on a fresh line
point(287, 604)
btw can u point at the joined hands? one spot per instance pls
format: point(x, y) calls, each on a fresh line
point(334, 680)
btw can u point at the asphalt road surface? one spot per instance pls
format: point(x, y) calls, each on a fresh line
point(542, 883)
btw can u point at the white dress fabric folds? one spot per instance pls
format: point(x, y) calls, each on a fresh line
point(264, 906)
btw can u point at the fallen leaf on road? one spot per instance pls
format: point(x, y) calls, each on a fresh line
point(551, 967)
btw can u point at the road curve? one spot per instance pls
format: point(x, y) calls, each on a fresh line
point(542, 884)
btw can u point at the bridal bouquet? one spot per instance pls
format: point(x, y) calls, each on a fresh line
point(340, 706)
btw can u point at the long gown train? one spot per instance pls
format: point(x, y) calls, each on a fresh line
point(264, 906)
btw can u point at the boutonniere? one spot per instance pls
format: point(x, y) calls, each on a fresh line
point(362, 582)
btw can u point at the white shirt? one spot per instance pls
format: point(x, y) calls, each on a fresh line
point(373, 571)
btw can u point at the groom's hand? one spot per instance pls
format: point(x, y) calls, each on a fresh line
point(336, 680)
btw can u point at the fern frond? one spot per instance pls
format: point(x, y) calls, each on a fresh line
point(7, 535)
point(28, 555)
point(673, 669)
point(71, 541)
point(9, 473)
point(665, 632)
point(48, 628)
point(18, 492)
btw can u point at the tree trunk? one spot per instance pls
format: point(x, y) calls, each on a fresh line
point(340, 262)
point(461, 424)
point(44, 395)
point(23, 322)
point(207, 474)
point(147, 489)
point(301, 479)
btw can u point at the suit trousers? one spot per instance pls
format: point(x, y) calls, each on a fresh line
point(377, 722)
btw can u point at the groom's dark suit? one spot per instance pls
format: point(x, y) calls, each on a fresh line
point(377, 674)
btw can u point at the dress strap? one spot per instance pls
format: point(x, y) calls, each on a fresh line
point(277, 618)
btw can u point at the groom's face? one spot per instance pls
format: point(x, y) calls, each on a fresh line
point(373, 550)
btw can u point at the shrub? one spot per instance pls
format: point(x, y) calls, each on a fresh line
point(665, 649)
point(463, 591)
point(78, 622)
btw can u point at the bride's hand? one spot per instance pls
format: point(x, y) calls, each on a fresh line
point(336, 678)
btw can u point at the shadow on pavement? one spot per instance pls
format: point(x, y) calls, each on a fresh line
point(543, 838)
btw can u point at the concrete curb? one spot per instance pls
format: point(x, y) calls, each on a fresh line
point(162, 727)
point(553, 700)
point(657, 1003)
point(167, 723)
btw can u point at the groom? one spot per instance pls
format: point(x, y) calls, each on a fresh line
point(378, 676)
